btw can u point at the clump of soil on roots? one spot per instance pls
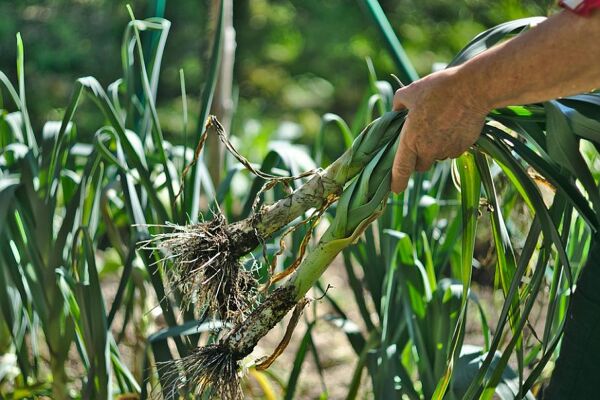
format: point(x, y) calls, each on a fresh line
point(205, 270)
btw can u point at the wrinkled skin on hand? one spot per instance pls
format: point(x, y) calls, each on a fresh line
point(445, 117)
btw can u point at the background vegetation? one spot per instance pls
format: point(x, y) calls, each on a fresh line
point(71, 193)
point(293, 63)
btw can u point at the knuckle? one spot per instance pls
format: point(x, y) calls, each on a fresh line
point(402, 98)
point(401, 170)
point(409, 141)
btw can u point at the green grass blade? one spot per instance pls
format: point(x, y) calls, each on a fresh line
point(358, 291)
point(506, 264)
point(526, 254)
point(123, 282)
point(470, 182)
point(529, 191)
point(121, 371)
point(343, 129)
point(12, 312)
point(405, 69)
point(297, 366)
point(546, 166)
point(92, 316)
point(92, 87)
point(381, 102)
point(554, 300)
point(157, 135)
point(59, 150)
point(527, 188)
point(563, 147)
point(31, 141)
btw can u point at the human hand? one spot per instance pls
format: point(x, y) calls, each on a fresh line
point(445, 117)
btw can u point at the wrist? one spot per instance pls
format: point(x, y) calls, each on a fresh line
point(473, 90)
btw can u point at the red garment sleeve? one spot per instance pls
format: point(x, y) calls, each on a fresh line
point(581, 7)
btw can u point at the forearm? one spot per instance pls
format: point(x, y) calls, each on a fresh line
point(446, 109)
point(559, 57)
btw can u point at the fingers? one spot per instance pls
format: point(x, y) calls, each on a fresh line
point(406, 157)
point(404, 162)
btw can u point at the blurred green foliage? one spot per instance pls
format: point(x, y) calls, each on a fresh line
point(295, 59)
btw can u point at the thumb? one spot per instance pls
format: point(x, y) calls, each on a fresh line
point(403, 98)
point(404, 161)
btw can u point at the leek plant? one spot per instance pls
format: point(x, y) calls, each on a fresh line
point(533, 130)
point(360, 204)
point(60, 199)
point(206, 266)
point(51, 190)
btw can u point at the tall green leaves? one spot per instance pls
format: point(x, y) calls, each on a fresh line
point(93, 326)
point(548, 143)
point(410, 273)
point(492, 36)
point(406, 70)
point(470, 189)
point(51, 224)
